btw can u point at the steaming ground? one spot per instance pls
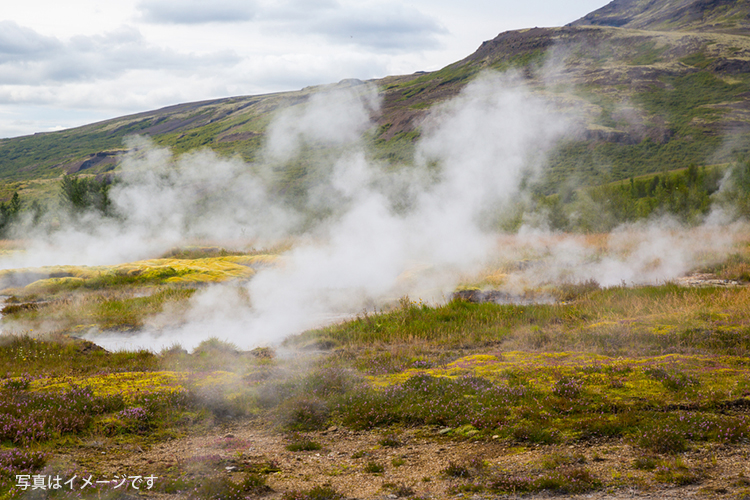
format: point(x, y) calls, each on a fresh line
point(364, 233)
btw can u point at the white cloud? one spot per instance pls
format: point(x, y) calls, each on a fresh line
point(391, 28)
point(196, 11)
point(84, 58)
point(382, 27)
point(18, 43)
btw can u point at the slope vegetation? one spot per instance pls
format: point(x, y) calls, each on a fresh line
point(658, 85)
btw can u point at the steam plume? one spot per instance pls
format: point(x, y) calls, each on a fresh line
point(379, 233)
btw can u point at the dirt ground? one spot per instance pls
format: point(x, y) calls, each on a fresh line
point(417, 464)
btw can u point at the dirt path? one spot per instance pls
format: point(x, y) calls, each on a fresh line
point(416, 465)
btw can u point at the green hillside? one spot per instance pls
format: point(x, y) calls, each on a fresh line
point(659, 85)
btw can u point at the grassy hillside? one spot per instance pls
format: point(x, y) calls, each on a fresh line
point(650, 101)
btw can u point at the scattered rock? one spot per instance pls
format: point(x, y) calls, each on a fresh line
point(16, 308)
point(705, 279)
point(263, 353)
point(87, 347)
point(499, 297)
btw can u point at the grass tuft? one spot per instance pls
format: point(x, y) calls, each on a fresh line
point(302, 443)
point(325, 492)
point(373, 467)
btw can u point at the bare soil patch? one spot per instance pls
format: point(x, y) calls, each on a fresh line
point(418, 462)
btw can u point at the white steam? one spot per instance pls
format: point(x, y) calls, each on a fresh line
point(371, 251)
point(381, 233)
point(653, 252)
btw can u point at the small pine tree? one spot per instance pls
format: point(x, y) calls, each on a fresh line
point(81, 194)
point(9, 213)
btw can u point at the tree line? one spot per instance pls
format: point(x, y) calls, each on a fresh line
point(687, 195)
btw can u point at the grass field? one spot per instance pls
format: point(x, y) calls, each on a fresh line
point(600, 389)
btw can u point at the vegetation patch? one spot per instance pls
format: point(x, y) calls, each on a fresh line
point(538, 376)
point(302, 443)
point(324, 492)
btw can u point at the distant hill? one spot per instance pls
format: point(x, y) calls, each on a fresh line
point(662, 84)
point(715, 16)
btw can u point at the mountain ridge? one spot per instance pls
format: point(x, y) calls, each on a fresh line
point(652, 100)
point(723, 16)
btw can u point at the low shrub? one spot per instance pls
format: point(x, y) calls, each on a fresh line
point(390, 441)
point(136, 419)
point(254, 484)
point(223, 488)
point(598, 426)
point(218, 488)
point(567, 387)
point(304, 413)
point(27, 417)
point(566, 480)
point(302, 443)
point(457, 470)
point(427, 400)
point(17, 461)
point(646, 462)
point(535, 433)
point(676, 472)
point(325, 492)
point(555, 460)
point(664, 439)
point(400, 490)
point(374, 468)
point(672, 379)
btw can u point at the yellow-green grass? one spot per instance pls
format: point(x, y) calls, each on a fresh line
point(644, 366)
point(59, 355)
point(619, 380)
point(641, 321)
point(663, 404)
point(53, 279)
point(131, 385)
point(75, 299)
point(122, 308)
point(621, 363)
point(55, 409)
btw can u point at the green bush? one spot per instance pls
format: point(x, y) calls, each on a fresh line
point(566, 480)
point(457, 470)
point(390, 441)
point(302, 443)
point(325, 492)
point(303, 413)
point(372, 467)
point(664, 439)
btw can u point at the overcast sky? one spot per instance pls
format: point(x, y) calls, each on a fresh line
point(64, 64)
